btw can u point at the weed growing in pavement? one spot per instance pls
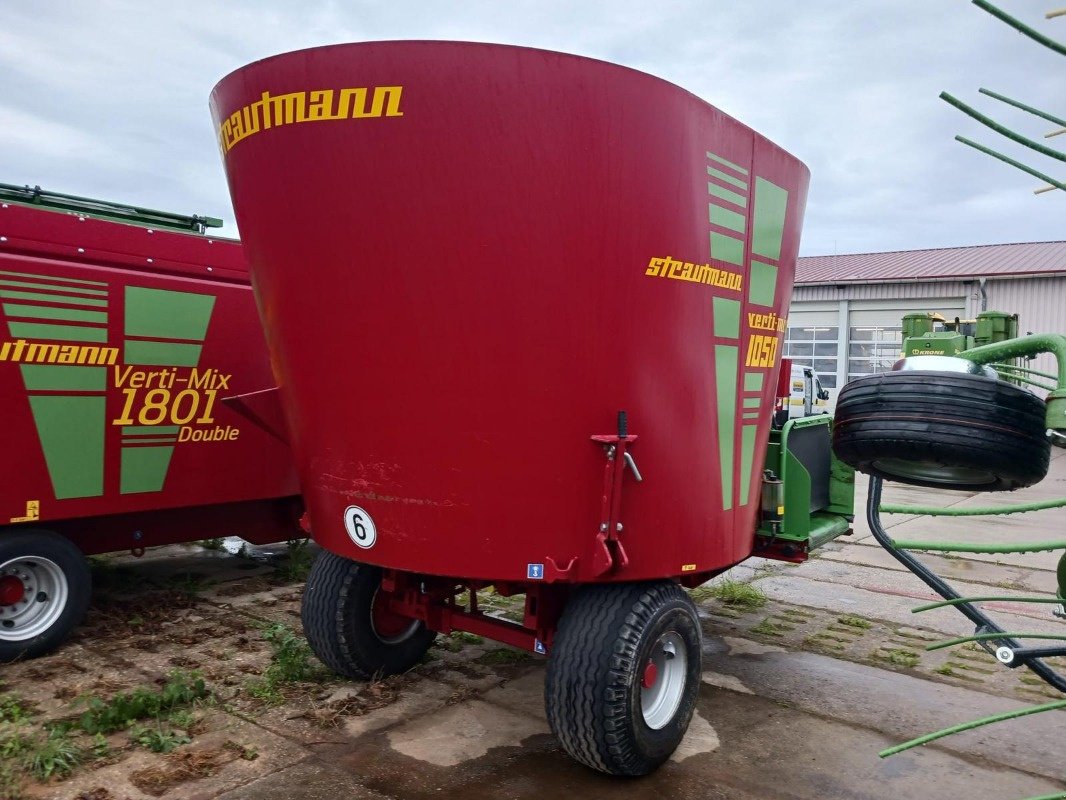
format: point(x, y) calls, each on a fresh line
point(854, 622)
point(767, 628)
point(900, 657)
point(157, 738)
point(10, 784)
point(502, 655)
point(211, 544)
point(737, 594)
point(12, 710)
point(297, 562)
point(57, 755)
point(290, 663)
point(181, 689)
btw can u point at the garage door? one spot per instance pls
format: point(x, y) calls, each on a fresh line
point(875, 330)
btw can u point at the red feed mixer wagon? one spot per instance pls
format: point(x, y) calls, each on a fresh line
point(525, 312)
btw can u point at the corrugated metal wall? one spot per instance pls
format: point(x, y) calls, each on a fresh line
point(1039, 302)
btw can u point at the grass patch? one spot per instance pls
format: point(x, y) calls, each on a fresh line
point(58, 756)
point(855, 622)
point(12, 710)
point(944, 669)
point(122, 710)
point(157, 738)
point(900, 657)
point(291, 662)
point(737, 594)
point(768, 628)
point(502, 655)
point(296, 565)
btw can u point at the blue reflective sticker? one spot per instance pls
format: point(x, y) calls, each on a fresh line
point(538, 647)
point(535, 572)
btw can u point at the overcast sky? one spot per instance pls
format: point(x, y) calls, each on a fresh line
point(108, 98)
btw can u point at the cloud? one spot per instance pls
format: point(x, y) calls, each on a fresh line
point(109, 98)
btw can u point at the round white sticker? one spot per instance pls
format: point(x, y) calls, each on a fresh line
point(360, 526)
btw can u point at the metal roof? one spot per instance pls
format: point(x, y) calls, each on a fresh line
point(990, 260)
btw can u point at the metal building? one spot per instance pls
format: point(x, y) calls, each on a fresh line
point(846, 310)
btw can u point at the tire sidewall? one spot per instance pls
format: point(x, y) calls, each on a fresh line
point(62, 552)
point(363, 653)
point(656, 745)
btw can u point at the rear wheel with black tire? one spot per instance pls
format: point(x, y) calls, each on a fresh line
point(350, 627)
point(624, 674)
point(945, 430)
point(45, 586)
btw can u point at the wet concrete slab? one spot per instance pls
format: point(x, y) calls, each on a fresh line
point(897, 705)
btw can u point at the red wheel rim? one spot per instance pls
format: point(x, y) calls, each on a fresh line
point(387, 623)
point(11, 590)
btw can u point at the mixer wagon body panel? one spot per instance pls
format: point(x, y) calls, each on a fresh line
point(119, 345)
point(468, 258)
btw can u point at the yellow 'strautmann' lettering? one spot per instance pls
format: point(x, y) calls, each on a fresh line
point(271, 111)
point(695, 273)
point(26, 352)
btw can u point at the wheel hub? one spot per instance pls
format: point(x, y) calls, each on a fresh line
point(33, 594)
point(662, 684)
point(651, 675)
point(389, 626)
point(12, 590)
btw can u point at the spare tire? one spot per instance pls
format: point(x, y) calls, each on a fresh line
point(946, 430)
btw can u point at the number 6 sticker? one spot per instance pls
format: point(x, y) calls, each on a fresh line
point(360, 526)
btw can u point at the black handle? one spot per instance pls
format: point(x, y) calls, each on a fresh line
point(623, 425)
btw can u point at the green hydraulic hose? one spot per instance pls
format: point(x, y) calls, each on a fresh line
point(984, 599)
point(1024, 107)
point(1013, 163)
point(1021, 27)
point(980, 511)
point(981, 637)
point(973, 547)
point(1000, 129)
point(967, 726)
point(1057, 796)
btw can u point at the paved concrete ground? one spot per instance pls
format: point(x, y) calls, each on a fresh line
point(798, 696)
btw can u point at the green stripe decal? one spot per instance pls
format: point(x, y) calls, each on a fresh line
point(161, 314)
point(149, 430)
point(752, 381)
point(762, 284)
point(8, 274)
point(47, 312)
point(727, 163)
point(71, 430)
point(144, 469)
point(725, 372)
point(726, 178)
point(726, 248)
point(768, 225)
point(726, 317)
point(172, 354)
point(752, 414)
point(727, 195)
point(53, 288)
point(747, 456)
point(726, 218)
point(65, 333)
point(51, 378)
point(752, 402)
point(53, 298)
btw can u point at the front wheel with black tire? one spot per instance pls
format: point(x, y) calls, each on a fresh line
point(624, 674)
point(45, 586)
point(350, 627)
point(946, 430)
